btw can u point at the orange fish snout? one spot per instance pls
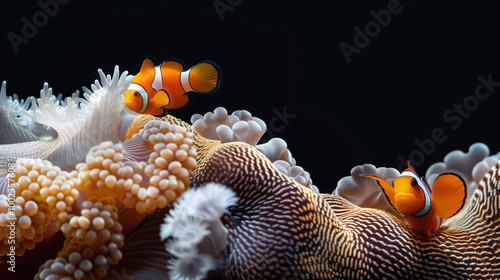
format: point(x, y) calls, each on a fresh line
point(407, 203)
point(132, 100)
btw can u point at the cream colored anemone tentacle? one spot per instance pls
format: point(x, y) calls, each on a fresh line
point(140, 121)
point(12, 130)
point(326, 237)
point(104, 107)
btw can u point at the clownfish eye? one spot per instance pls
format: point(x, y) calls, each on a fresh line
point(414, 183)
point(135, 93)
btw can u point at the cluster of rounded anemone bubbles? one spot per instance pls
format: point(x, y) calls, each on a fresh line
point(79, 173)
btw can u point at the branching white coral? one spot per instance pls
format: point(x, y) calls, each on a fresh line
point(197, 231)
point(103, 107)
point(239, 126)
point(364, 191)
point(16, 127)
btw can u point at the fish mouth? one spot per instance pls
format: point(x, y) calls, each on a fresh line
point(405, 195)
point(406, 202)
point(132, 106)
point(130, 102)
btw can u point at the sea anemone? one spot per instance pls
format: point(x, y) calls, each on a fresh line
point(79, 125)
point(38, 195)
point(95, 243)
point(17, 127)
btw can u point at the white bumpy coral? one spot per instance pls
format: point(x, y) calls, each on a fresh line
point(364, 191)
point(239, 126)
point(243, 127)
point(471, 166)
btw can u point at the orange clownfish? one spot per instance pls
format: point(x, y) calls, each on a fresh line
point(154, 89)
point(411, 196)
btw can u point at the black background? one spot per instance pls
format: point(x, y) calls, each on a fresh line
point(286, 54)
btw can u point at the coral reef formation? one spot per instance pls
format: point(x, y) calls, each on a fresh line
point(154, 197)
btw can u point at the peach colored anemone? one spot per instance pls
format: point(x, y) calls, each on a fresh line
point(93, 206)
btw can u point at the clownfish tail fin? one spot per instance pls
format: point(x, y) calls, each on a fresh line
point(204, 77)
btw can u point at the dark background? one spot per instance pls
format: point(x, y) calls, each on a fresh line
point(285, 55)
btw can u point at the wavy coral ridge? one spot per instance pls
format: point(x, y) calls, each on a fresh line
point(298, 233)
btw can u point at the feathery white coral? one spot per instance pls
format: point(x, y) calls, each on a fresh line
point(78, 128)
point(198, 235)
point(190, 266)
point(100, 113)
point(207, 203)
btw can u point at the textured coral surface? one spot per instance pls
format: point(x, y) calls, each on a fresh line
point(111, 193)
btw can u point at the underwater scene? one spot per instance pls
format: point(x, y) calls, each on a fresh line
point(238, 139)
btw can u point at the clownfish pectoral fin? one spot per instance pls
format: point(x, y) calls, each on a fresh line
point(448, 193)
point(161, 99)
point(203, 77)
point(387, 188)
point(147, 64)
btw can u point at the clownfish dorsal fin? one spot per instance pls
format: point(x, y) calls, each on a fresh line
point(388, 190)
point(173, 65)
point(147, 65)
point(411, 168)
point(448, 194)
point(161, 99)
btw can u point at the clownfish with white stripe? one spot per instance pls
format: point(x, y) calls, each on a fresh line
point(156, 88)
point(422, 209)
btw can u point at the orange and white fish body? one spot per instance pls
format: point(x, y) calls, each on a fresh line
point(422, 209)
point(156, 88)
